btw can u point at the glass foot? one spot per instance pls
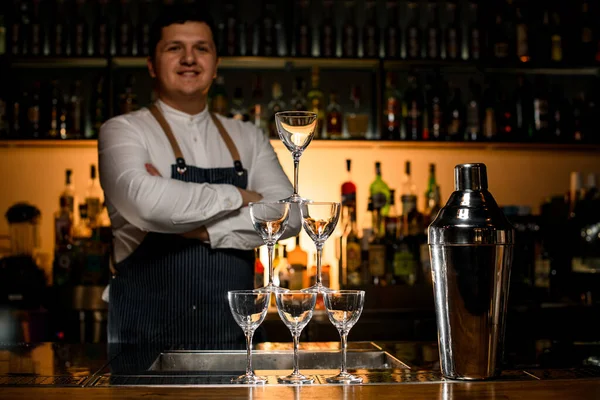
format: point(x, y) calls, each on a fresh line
point(344, 377)
point(270, 288)
point(297, 379)
point(295, 199)
point(317, 288)
point(249, 379)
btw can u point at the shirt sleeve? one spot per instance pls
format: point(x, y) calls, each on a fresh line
point(265, 176)
point(155, 204)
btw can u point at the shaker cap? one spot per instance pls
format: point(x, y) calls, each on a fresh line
point(471, 215)
point(470, 177)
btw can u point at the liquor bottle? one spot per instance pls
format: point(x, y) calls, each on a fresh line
point(125, 31)
point(128, 99)
point(377, 246)
point(349, 31)
point(580, 122)
point(502, 32)
point(76, 115)
point(147, 14)
point(452, 34)
point(299, 102)
point(523, 110)
point(408, 196)
point(259, 270)
point(413, 32)
point(391, 113)
point(3, 117)
point(558, 110)
point(473, 44)
point(432, 197)
point(413, 101)
point(473, 114)
point(98, 108)
point(102, 32)
point(238, 109)
point(275, 105)
point(404, 261)
point(522, 33)
point(298, 260)
point(585, 44)
point(33, 112)
point(506, 118)
point(380, 193)
point(60, 41)
point(316, 101)
point(434, 95)
point(333, 118)
point(352, 257)
point(36, 36)
point(392, 31)
point(228, 34)
point(303, 31)
point(490, 107)
point(80, 35)
point(53, 117)
point(556, 36)
point(2, 35)
point(432, 35)
point(257, 110)
point(357, 121)
point(63, 217)
point(391, 221)
point(455, 116)
point(348, 190)
point(541, 115)
point(268, 41)
point(16, 117)
point(16, 36)
point(93, 195)
point(328, 37)
point(67, 196)
point(370, 31)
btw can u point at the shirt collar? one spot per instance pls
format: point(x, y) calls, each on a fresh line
point(169, 111)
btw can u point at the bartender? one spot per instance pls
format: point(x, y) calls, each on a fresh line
point(177, 181)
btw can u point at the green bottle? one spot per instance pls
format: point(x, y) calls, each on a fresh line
point(380, 192)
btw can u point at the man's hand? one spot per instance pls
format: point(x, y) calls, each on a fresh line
point(198, 233)
point(249, 196)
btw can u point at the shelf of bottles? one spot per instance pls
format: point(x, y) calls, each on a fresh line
point(494, 72)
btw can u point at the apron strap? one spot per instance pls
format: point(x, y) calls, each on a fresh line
point(237, 164)
point(181, 166)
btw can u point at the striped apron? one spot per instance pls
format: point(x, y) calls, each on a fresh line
point(173, 290)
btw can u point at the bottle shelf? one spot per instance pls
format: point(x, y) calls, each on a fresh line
point(282, 63)
point(343, 144)
point(59, 62)
point(290, 63)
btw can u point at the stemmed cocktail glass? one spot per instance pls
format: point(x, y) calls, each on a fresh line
point(343, 309)
point(296, 130)
point(319, 220)
point(295, 309)
point(270, 220)
point(249, 308)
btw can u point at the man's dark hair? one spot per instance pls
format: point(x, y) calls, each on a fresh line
point(179, 14)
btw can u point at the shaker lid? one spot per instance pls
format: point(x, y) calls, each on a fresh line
point(471, 215)
point(22, 212)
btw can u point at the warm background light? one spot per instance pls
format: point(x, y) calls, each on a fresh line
point(516, 177)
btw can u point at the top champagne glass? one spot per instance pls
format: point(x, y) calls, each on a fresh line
point(296, 130)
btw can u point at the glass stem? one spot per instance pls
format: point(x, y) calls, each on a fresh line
point(270, 255)
point(319, 254)
point(296, 337)
point(296, 166)
point(249, 352)
point(344, 336)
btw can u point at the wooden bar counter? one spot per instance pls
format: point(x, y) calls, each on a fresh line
point(58, 371)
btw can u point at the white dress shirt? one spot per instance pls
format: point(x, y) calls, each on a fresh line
point(139, 203)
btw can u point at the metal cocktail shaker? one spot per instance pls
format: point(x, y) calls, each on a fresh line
point(471, 247)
